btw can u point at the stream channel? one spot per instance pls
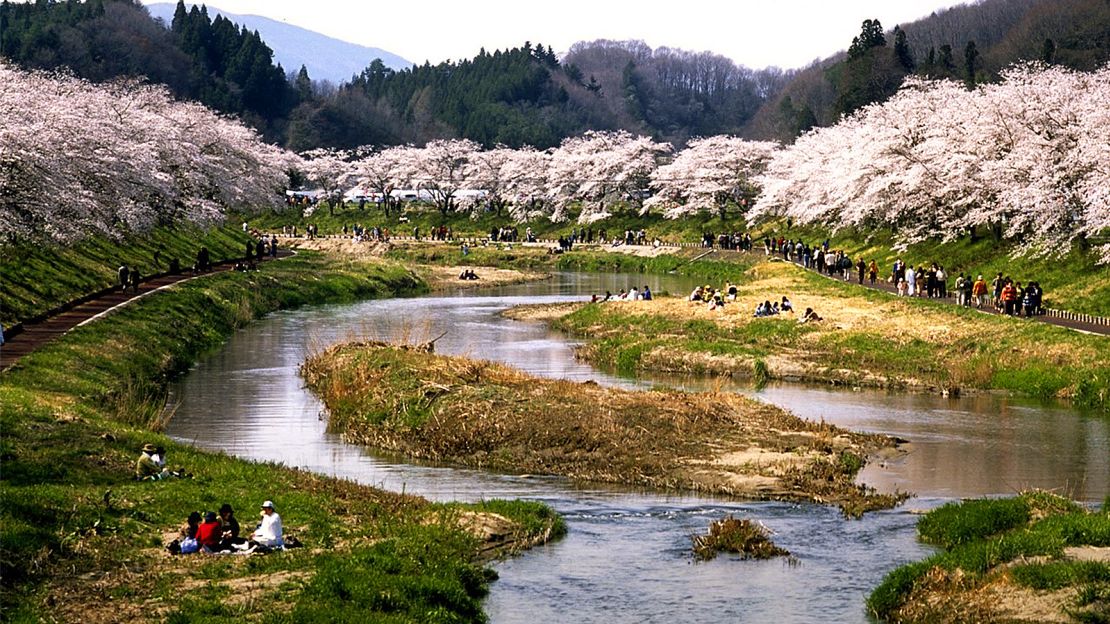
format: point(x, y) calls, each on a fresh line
point(626, 557)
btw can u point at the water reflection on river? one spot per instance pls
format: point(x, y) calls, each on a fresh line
point(626, 558)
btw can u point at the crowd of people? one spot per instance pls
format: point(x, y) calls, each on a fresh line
point(930, 281)
point(740, 241)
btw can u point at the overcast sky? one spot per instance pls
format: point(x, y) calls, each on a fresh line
point(756, 33)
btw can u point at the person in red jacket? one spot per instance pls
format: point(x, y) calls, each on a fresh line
point(1009, 297)
point(208, 533)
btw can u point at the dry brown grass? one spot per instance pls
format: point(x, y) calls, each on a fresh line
point(482, 414)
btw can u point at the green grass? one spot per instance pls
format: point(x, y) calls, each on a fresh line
point(38, 277)
point(979, 535)
point(75, 413)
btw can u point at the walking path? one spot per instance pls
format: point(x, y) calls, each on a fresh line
point(29, 336)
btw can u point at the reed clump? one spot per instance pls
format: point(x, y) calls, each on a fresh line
point(747, 538)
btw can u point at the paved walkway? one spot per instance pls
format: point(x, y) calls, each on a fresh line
point(33, 335)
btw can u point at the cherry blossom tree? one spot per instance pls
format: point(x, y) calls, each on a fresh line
point(442, 168)
point(525, 184)
point(77, 159)
point(710, 174)
point(599, 169)
point(1026, 158)
point(379, 173)
point(332, 170)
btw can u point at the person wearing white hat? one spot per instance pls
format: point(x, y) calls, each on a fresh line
point(268, 533)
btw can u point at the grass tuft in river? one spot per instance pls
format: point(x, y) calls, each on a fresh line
point(748, 538)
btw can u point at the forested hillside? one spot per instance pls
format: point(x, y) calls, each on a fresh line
point(528, 96)
point(673, 94)
point(972, 43)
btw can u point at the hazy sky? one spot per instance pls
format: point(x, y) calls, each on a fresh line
point(756, 33)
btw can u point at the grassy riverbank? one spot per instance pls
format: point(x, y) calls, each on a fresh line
point(589, 258)
point(38, 277)
point(867, 338)
point(79, 540)
point(1034, 558)
point(487, 415)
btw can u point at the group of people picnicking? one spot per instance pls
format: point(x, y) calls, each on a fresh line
point(632, 294)
point(717, 298)
point(219, 533)
point(209, 532)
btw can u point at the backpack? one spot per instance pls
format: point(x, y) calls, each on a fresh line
point(189, 545)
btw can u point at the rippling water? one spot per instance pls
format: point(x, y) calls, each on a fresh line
point(627, 555)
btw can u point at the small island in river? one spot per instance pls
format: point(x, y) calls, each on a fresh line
point(476, 413)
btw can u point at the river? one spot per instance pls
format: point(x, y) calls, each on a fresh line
point(626, 557)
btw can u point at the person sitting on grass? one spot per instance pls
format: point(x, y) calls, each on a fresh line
point(717, 301)
point(647, 293)
point(268, 535)
point(786, 305)
point(146, 468)
point(229, 530)
point(208, 533)
point(696, 295)
point(809, 317)
point(186, 541)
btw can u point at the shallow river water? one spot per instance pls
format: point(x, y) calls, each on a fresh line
point(626, 557)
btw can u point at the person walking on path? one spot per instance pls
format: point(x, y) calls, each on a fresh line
point(873, 272)
point(135, 278)
point(123, 273)
point(979, 292)
point(1009, 297)
point(997, 285)
point(861, 267)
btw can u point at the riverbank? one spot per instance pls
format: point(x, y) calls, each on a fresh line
point(80, 540)
point(1034, 558)
point(867, 338)
point(438, 276)
point(486, 415)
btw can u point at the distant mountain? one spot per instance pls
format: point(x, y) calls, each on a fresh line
point(326, 58)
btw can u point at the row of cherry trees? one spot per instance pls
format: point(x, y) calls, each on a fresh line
point(1028, 158)
point(78, 158)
